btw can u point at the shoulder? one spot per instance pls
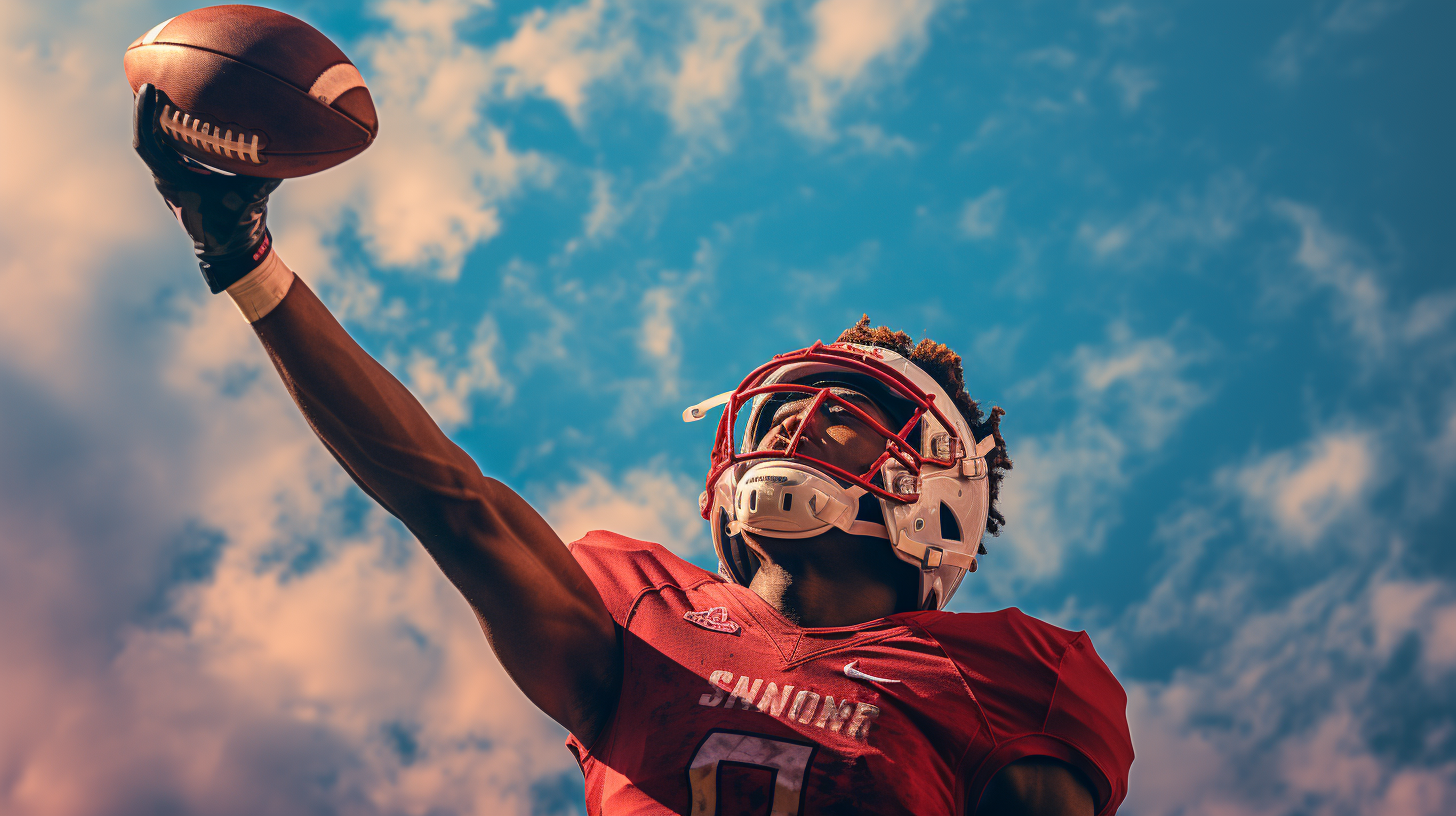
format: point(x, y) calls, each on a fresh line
point(1043, 691)
point(1008, 639)
point(622, 568)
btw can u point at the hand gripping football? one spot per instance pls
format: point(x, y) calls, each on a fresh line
point(253, 91)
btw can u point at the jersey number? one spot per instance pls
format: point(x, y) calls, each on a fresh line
point(787, 761)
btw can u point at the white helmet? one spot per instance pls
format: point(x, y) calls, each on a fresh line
point(931, 480)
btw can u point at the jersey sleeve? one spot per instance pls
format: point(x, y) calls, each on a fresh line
point(1084, 724)
point(1042, 691)
point(1088, 711)
point(623, 568)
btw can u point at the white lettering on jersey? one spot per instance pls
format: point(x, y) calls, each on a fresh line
point(849, 717)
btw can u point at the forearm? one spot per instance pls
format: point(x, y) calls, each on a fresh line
point(366, 418)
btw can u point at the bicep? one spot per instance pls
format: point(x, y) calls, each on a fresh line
point(539, 610)
point(1037, 786)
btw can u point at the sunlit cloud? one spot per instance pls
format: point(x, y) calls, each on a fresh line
point(647, 503)
point(850, 36)
point(1303, 493)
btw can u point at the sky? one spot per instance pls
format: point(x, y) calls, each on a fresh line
point(1194, 250)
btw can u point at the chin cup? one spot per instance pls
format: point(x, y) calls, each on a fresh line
point(787, 499)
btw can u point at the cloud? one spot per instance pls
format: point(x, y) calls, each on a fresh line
point(78, 200)
point(606, 212)
point(1305, 492)
point(874, 139)
point(1055, 56)
point(648, 503)
point(709, 63)
point(849, 37)
point(1132, 393)
point(1333, 262)
point(1318, 32)
point(981, 216)
point(658, 336)
point(560, 54)
point(1312, 706)
point(448, 381)
point(1132, 83)
point(1205, 219)
point(223, 632)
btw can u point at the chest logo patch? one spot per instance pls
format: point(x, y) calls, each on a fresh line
point(714, 620)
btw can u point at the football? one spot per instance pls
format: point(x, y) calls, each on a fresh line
point(253, 91)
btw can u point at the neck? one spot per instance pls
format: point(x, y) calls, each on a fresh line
point(832, 579)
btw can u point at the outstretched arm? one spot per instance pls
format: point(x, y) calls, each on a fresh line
point(540, 612)
point(544, 619)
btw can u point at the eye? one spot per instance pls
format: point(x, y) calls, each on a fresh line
point(789, 410)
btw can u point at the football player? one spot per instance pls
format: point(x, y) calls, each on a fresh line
point(849, 489)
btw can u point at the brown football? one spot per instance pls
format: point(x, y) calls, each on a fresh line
point(254, 91)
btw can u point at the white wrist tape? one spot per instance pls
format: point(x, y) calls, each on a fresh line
point(259, 291)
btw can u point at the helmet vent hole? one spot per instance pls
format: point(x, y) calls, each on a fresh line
point(950, 529)
point(788, 501)
point(752, 501)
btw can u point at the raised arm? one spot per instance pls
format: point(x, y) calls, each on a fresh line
point(540, 612)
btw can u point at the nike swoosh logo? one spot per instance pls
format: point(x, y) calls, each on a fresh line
point(855, 674)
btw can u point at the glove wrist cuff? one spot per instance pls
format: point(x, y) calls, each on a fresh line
point(261, 290)
point(222, 271)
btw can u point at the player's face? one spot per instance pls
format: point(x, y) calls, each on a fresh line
point(831, 434)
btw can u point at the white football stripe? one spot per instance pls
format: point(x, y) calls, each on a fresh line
point(334, 81)
point(151, 36)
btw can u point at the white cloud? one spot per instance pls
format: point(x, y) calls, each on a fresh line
point(874, 139)
point(606, 212)
point(658, 335)
point(78, 201)
point(561, 54)
point(448, 381)
point(1305, 492)
point(850, 36)
point(1064, 494)
point(649, 504)
point(1146, 375)
point(981, 216)
point(318, 665)
point(1055, 56)
point(1334, 262)
point(1319, 32)
point(1338, 266)
point(1132, 83)
point(1203, 219)
point(1280, 717)
point(709, 63)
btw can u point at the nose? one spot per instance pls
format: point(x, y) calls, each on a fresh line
point(785, 432)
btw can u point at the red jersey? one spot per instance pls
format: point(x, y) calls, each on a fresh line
point(728, 708)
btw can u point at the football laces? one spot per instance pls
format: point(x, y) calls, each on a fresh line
point(189, 129)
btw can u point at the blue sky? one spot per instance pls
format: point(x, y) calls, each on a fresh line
point(1195, 250)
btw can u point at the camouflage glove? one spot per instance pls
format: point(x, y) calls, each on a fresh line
point(223, 214)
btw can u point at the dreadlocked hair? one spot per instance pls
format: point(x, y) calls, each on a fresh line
point(944, 366)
